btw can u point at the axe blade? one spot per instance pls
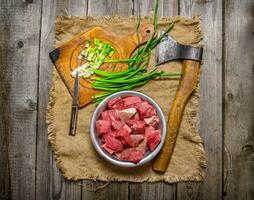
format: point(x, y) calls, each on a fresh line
point(168, 49)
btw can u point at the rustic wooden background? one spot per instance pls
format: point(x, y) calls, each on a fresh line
point(27, 167)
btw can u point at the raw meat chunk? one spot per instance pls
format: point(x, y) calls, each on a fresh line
point(112, 133)
point(127, 101)
point(145, 109)
point(123, 141)
point(116, 104)
point(153, 139)
point(116, 125)
point(136, 116)
point(113, 102)
point(150, 112)
point(102, 126)
point(127, 128)
point(142, 147)
point(148, 130)
point(130, 154)
point(153, 121)
point(113, 143)
point(127, 113)
point(109, 150)
point(124, 136)
point(137, 125)
point(137, 138)
point(110, 115)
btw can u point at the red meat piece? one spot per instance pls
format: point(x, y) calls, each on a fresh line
point(109, 150)
point(137, 125)
point(110, 115)
point(127, 101)
point(112, 133)
point(102, 126)
point(137, 138)
point(130, 154)
point(116, 104)
point(153, 121)
point(127, 113)
point(153, 139)
point(136, 116)
point(114, 101)
point(113, 143)
point(148, 130)
point(122, 141)
point(145, 109)
point(119, 106)
point(150, 112)
point(124, 135)
point(127, 128)
point(116, 125)
point(142, 147)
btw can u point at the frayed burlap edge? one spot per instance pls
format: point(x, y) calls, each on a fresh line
point(112, 19)
point(200, 153)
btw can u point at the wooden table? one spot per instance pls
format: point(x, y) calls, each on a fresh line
point(27, 166)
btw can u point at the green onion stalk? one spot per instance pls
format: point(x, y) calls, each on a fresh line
point(136, 74)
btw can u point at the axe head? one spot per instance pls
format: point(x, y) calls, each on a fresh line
point(168, 49)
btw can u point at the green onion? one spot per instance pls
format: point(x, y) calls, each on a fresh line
point(135, 75)
point(95, 54)
point(119, 61)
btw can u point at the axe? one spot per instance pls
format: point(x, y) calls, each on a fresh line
point(168, 49)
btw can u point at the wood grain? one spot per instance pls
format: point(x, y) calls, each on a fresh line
point(73, 7)
point(104, 191)
point(239, 100)
point(151, 191)
point(50, 184)
point(110, 7)
point(20, 76)
point(165, 7)
point(5, 85)
point(210, 108)
point(29, 171)
point(186, 87)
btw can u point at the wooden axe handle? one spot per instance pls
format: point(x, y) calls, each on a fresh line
point(185, 88)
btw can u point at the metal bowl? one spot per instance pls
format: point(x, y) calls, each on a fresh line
point(149, 156)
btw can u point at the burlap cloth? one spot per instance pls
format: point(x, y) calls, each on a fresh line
point(76, 157)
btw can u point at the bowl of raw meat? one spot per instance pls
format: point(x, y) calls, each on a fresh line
point(128, 129)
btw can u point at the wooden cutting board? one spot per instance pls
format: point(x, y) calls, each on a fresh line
point(65, 57)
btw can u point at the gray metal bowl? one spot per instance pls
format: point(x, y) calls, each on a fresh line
point(97, 143)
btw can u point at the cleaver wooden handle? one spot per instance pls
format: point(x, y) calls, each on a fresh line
point(185, 88)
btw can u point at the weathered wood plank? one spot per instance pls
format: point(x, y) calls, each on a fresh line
point(110, 7)
point(4, 104)
point(210, 109)
point(154, 190)
point(239, 100)
point(61, 188)
point(113, 190)
point(44, 169)
point(150, 191)
point(165, 7)
point(50, 183)
point(73, 7)
point(106, 191)
point(21, 24)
